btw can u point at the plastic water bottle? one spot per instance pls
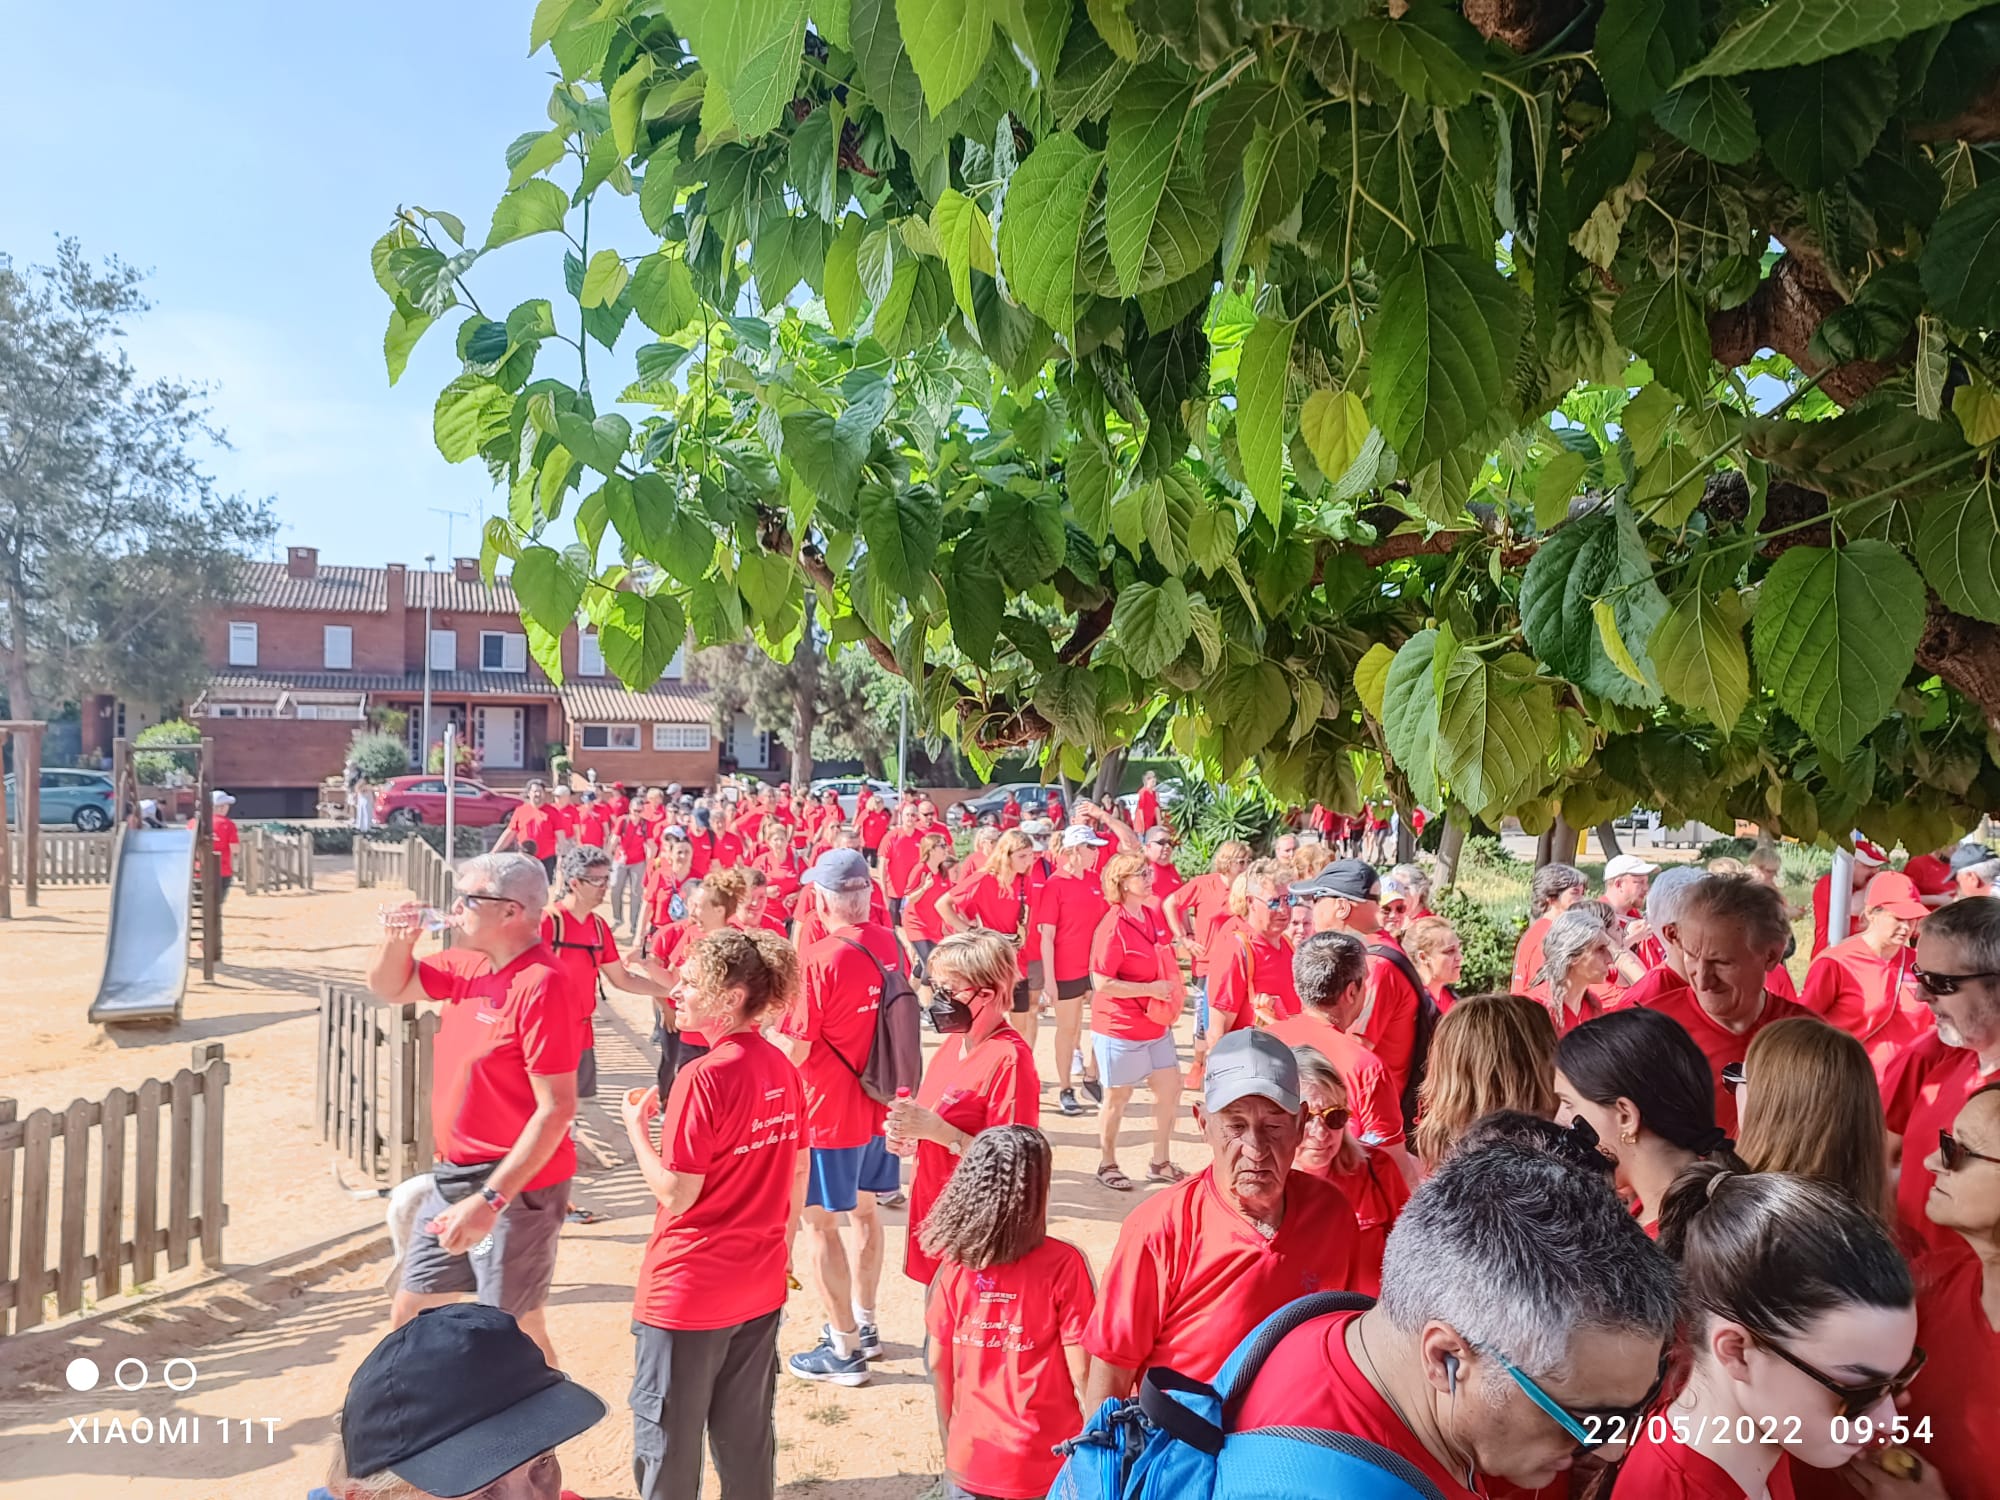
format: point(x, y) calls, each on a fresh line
point(429, 918)
point(901, 1145)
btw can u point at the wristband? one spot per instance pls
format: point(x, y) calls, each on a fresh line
point(496, 1200)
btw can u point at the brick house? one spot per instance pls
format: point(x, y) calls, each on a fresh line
point(306, 652)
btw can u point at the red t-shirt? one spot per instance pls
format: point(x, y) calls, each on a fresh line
point(1674, 1471)
point(1012, 1398)
point(899, 860)
point(747, 824)
point(812, 928)
point(498, 1026)
point(581, 946)
point(1922, 1093)
point(736, 1118)
point(534, 825)
point(1073, 905)
point(983, 900)
point(1378, 1190)
point(1165, 878)
point(1191, 1277)
point(1125, 947)
point(873, 827)
point(670, 950)
point(628, 836)
point(226, 840)
point(1371, 1096)
point(1597, 999)
point(1931, 876)
point(619, 805)
point(564, 816)
point(1389, 1019)
point(593, 825)
point(1206, 907)
point(1778, 980)
point(1720, 1045)
point(921, 921)
point(781, 872)
point(993, 1084)
point(1822, 907)
point(1959, 1387)
point(1310, 1380)
point(839, 993)
point(1850, 987)
point(1528, 955)
point(1243, 965)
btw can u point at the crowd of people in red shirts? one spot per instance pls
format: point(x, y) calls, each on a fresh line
point(1658, 1222)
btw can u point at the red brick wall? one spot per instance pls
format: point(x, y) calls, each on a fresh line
point(290, 640)
point(645, 767)
point(468, 626)
point(278, 752)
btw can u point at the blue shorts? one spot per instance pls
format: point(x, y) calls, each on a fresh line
point(838, 1173)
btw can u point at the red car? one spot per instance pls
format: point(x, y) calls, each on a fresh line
point(420, 799)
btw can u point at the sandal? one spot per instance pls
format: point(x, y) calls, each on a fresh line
point(1166, 1171)
point(1114, 1179)
point(582, 1216)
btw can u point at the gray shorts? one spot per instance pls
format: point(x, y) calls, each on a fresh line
point(510, 1269)
point(1123, 1064)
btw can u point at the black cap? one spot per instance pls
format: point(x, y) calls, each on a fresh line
point(455, 1398)
point(1350, 879)
point(1967, 855)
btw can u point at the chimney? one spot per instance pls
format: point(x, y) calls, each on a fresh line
point(396, 587)
point(465, 569)
point(302, 562)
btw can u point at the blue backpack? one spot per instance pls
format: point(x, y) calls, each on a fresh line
point(1173, 1440)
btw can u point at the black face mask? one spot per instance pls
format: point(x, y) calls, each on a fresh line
point(1586, 1147)
point(948, 1015)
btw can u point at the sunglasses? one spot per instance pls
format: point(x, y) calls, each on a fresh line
point(1954, 1154)
point(1333, 1119)
point(473, 900)
point(1946, 984)
point(1592, 1426)
point(1857, 1400)
point(1275, 903)
point(1733, 1075)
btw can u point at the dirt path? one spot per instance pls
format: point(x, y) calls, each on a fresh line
point(273, 1349)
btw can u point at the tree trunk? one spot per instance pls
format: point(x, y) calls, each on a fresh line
point(20, 696)
point(1406, 842)
point(1557, 846)
point(1110, 772)
point(805, 699)
point(1607, 835)
point(1451, 843)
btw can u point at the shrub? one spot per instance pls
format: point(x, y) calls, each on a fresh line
point(378, 756)
point(340, 840)
point(1729, 848)
point(160, 768)
point(1484, 851)
point(1488, 933)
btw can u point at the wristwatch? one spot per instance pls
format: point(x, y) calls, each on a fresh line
point(497, 1200)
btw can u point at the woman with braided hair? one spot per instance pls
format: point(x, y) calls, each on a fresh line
point(1005, 1315)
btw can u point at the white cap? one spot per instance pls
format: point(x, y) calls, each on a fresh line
point(220, 798)
point(1870, 855)
point(1628, 864)
point(1079, 836)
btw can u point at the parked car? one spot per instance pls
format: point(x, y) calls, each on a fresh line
point(1032, 795)
point(849, 788)
point(409, 800)
point(83, 799)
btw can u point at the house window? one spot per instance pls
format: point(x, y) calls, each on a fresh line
point(328, 711)
point(240, 711)
point(611, 736)
point(502, 651)
point(680, 737)
point(339, 647)
point(676, 669)
point(242, 643)
point(589, 655)
point(444, 650)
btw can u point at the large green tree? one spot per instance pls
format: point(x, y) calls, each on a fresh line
point(1559, 403)
point(112, 533)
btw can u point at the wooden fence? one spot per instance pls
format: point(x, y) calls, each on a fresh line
point(271, 859)
point(68, 857)
point(372, 1098)
point(47, 1175)
point(377, 862)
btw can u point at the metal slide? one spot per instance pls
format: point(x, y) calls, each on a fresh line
point(146, 947)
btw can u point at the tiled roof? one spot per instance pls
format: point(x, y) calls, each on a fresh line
point(365, 591)
point(255, 685)
point(443, 591)
point(609, 701)
point(346, 590)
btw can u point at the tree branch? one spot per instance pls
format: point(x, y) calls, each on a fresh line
point(1978, 122)
point(1782, 314)
point(1966, 654)
point(1521, 25)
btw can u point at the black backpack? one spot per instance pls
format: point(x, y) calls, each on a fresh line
point(595, 950)
point(895, 1062)
point(1427, 1020)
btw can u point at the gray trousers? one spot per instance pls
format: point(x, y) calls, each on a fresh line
point(722, 1381)
point(626, 897)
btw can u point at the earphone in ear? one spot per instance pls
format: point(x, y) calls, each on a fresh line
point(1451, 1374)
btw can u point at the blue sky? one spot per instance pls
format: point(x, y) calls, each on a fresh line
point(248, 154)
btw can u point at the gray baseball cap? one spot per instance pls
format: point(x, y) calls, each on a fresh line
point(839, 870)
point(1350, 879)
point(1250, 1062)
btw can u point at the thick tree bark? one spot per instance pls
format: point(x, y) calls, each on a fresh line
point(1110, 772)
point(1786, 308)
point(1451, 843)
point(20, 694)
point(1557, 846)
point(805, 698)
point(1607, 835)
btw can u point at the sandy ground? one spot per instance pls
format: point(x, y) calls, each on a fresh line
point(274, 1340)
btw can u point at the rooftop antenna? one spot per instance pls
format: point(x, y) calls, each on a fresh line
point(450, 516)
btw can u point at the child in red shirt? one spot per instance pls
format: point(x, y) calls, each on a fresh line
point(1005, 1313)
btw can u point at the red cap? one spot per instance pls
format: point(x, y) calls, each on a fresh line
point(1866, 853)
point(1895, 894)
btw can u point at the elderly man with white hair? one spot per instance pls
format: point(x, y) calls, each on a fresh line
point(503, 1094)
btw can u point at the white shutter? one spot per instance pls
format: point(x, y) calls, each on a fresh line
point(444, 650)
point(589, 655)
point(242, 643)
point(514, 653)
point(339, 647)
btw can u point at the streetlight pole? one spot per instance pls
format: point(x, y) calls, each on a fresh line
point(424, 758)
point(903, 749)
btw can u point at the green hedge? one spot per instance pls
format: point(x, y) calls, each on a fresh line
point(470, 841)
point(1488, 933)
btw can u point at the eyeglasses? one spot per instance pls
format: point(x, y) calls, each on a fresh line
point(473, 900)
point(1856, 1400)
point(1275, 903)
point(591, 880)
point(1592, 1426)
point(1946, 984)
point(1333, 1119)
point(1955, 1154)
point(1733, 1075)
